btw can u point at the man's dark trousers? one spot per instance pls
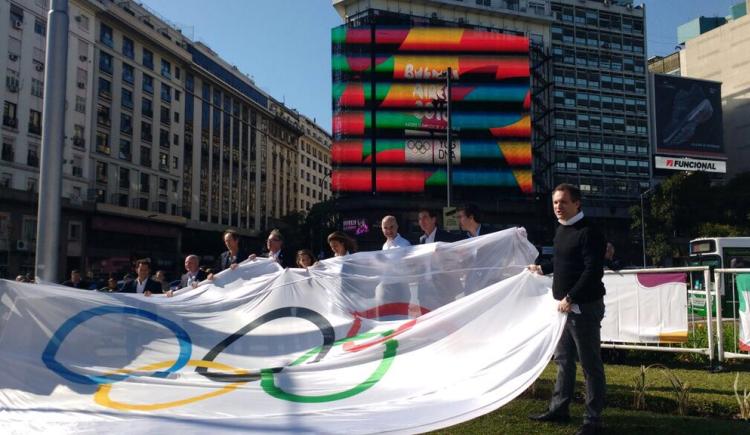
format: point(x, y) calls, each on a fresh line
point(581, 339)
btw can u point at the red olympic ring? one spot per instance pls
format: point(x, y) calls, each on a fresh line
point(389, 309)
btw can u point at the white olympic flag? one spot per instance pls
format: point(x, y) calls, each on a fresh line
point(405, 340)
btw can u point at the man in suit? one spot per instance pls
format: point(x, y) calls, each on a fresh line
point(276, 251)
point(234, 254)
point(76, 281)
point(142, 282)
point(193, 275)
point(469, 220)
point(577, 284)
point(432, 233)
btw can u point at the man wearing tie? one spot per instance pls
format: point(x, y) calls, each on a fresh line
point(428, 223)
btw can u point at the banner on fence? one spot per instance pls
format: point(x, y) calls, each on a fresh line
point(743, 294)
point(645, 308)
point(338, 348)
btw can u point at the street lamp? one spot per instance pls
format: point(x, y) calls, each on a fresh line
point(643, 225)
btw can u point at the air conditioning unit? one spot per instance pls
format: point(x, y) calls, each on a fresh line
point(81, 85)
point(39, 67)
point(83, 58)
point(13, 57)
point(13, 122)
point(17, 24)
point(13, 87)
point(22, 245)
point(78, 141)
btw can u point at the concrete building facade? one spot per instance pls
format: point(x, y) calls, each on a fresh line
point(166, 143)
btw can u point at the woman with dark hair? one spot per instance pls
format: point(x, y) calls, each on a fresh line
point(341, 244)
point(305, 258)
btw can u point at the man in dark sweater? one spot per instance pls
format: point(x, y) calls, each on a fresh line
point(577, 284)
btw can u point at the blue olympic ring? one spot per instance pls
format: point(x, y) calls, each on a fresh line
point(48, 356)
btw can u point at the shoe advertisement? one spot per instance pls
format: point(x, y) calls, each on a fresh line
point(688, 116)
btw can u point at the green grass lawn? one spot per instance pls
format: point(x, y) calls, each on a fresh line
point(712, 405)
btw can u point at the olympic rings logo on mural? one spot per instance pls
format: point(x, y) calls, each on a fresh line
point(234, 377)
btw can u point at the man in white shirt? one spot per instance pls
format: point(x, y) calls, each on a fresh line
point(390, 231)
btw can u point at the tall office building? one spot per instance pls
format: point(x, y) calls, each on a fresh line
point(390, 117)
point(166, 143)
point(601, 119)
point(593, 129)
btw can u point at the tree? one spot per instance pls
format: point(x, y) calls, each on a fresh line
point(686, 206)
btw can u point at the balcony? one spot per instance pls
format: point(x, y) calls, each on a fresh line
point(79, 142)
point(10, 122)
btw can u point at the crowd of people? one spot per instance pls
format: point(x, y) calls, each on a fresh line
point(340, 243)
point(582, 254)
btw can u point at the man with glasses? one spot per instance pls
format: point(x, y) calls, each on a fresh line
point(275, 249)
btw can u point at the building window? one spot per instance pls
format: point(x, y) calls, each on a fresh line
point(105, 35)
point(80, 104)
point(40, 27)
point(175, 165)
point(32, 156)
point(146, 134)
point(148, 59)
point(8, 154)
point(164, 138)
point(177, 72)
point(127, 98)
point(148, 84)
point(16, 16)
point(79, 134)
point(163, 161)
point(163, 186)
point(11, 81)
point(166, 93)
point(166, 69)
point(83, 22)
point(105, 88)
point(102, 115)
point(128, 74)
point(124, 178)
point(10, 117)
point(35, 122)
point(125, 150)
point(127, 47)
point(102, 142)
point(126, 124)
point(147, 108)
point(74, 231)
point(145, 183)
point(164, 115)
point(105, 63)
point(101, 172)
point(146, 156)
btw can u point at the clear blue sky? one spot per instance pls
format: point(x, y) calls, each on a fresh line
point(285, 44)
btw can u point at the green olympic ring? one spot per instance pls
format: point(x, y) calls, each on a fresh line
point(267, 381)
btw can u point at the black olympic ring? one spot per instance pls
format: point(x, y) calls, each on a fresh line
point(326, 330)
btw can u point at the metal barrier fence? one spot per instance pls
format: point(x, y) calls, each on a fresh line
point(698, 296)
point(729, 299)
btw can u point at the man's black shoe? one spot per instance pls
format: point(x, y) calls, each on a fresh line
point(551, 417)
point(590, 429)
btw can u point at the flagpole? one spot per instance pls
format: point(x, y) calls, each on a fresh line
point(53, 133)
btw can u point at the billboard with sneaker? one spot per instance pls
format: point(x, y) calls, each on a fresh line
point(688, 117)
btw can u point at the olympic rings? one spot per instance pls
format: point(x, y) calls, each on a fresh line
point(50, 352)
point(269, 386)
point(234, 376)
point(102, 394)
point(326, 330)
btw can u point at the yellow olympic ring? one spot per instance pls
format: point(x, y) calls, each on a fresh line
point(102, 393)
